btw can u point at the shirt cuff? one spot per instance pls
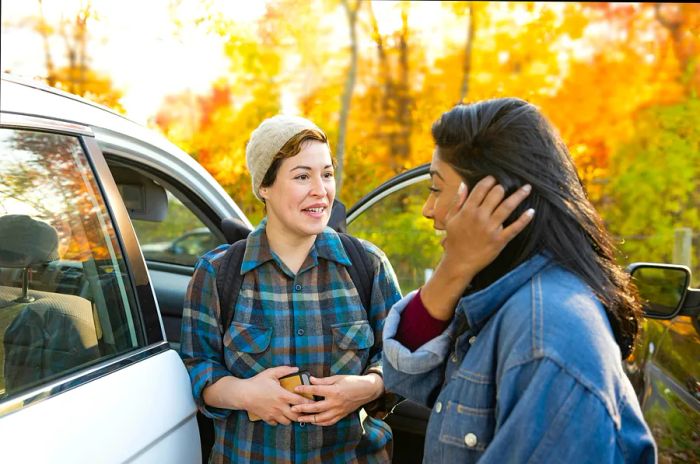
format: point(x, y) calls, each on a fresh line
point(426, 358)
point(417, 326)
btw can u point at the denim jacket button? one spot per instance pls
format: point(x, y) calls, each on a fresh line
point(472, 340)
point(438, 407)
point(470, 440)
point(454, 358)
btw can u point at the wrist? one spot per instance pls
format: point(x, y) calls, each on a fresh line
point(377, 382)
point(233, 394)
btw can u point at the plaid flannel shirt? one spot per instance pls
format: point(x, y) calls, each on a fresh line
point(314, 320)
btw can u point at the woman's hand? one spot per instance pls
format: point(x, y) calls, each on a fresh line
point(474, 237)
point(261, 395)
point(342, 395)
point(474, 226)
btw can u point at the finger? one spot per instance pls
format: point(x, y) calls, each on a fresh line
point(493, 199)
point(271, 422)
point(509, 204)
point(311, 408)
point(280, 371)
point(318, 390)
point(518, 225)
point(323, 380)
point(480, 190)
point(293, 398)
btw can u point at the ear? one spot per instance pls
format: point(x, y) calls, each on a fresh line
point(263, 191)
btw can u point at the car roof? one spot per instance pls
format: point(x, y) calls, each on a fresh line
point(118, 136)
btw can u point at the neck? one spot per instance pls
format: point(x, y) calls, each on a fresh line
point(291, 248)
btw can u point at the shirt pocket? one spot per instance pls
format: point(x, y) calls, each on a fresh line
point(469, 430)
point(246, 347)
point(351, 343)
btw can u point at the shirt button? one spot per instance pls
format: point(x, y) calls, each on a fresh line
point(470, 440)
point(297, 287)
point(438, 407)
point(300, 332)
point(472, 340)
point(302, 424)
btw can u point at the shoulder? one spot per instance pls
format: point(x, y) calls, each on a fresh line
point(554, 308)
point(211, 260)
point(558, 317)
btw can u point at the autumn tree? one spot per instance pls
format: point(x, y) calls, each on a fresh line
point(76, 76)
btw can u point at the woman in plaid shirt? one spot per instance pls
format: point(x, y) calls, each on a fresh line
point(297, 310)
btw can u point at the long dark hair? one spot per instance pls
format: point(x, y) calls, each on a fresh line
point(511, 140)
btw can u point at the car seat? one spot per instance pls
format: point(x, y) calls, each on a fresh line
point(43, 333)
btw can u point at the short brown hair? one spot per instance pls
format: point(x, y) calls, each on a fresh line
point(290, 149)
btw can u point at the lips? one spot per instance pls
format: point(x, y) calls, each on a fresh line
point(316, 209)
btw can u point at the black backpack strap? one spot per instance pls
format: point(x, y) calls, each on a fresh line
point(361, 272)
point(229, 280)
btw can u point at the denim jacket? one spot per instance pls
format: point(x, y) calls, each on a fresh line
point(527, 371)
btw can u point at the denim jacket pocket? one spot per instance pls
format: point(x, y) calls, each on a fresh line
point(245, 346)
point(351, 343)
point(467, 428)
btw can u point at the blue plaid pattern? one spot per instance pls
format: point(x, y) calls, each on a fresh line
point(314, 320)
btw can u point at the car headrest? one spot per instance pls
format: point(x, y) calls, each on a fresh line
point(234, 229)
point(25, 241)
point(337, 220)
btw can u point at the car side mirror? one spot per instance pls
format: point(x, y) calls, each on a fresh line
point(662, 288)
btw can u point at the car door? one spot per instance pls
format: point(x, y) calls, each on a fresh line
point(83, 352)
point(390, 217)
point(670, 381)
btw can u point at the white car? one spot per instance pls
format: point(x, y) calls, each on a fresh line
point(87, 374)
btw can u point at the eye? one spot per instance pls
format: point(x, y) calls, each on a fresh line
point(302, 177)
point(432, 189)
point(329, 175)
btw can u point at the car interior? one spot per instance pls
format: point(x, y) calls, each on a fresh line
point(43, 333)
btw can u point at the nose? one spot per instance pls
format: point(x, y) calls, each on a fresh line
point(428, 208)
point(318, 187)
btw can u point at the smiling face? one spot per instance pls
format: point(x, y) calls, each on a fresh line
point(443, 191)
point(299, 200)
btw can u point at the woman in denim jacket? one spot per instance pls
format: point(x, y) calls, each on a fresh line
point(516, 341)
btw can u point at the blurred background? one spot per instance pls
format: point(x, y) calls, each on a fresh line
point(619, 80)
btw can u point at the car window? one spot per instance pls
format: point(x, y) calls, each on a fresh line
point(395, 224)
point(180, 238)
point(66, 300)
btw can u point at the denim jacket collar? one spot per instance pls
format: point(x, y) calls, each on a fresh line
point(478, 307)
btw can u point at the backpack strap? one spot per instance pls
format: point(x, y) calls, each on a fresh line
point(361, 272)
point(229, 280)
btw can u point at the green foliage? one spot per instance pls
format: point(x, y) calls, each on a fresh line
point(397, 227)
point(655, 186)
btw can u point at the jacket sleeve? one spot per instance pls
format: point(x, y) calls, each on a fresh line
point(201, 338)
point(417, 375)
point(545, 415)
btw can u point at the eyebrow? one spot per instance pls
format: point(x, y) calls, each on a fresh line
point(435, 173)
point(309, 168)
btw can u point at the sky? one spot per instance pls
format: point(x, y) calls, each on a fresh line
point(139, 51)
point(137, 44)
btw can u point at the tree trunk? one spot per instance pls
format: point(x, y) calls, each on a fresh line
point(467, 65)
point(346, 101)
point(48, 61)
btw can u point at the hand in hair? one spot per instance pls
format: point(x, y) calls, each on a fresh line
point(475, 236)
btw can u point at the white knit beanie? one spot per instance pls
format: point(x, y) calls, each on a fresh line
point(267, 140)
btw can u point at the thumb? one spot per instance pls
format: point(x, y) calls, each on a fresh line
point(279, 371)
point(458, 200)
point(324, 380)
